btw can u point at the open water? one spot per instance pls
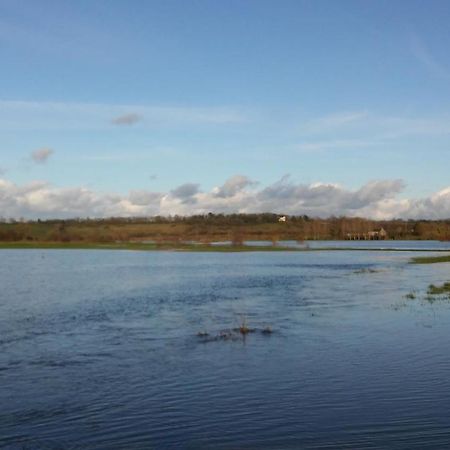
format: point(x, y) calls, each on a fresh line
point(99, 350)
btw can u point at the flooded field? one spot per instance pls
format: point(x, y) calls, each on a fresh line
point(100, 350)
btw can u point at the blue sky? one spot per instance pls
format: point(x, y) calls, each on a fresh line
point(151, 95)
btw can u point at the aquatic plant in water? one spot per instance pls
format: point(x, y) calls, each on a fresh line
point(439, 290)
point(236, 333)
point(366, 270)
point(243, 327)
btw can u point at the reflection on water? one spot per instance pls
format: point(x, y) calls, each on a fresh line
point(99, 349)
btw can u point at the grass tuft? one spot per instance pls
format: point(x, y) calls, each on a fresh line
point(439, 290)
point(430, 259)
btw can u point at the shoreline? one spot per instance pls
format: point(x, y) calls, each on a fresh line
point(199, 247)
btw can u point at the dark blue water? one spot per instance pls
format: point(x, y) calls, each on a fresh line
point(98, 350)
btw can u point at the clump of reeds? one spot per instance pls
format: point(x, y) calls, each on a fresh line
point(366, 270)
point(232, 334)
point(243, 327)
point(439, 290)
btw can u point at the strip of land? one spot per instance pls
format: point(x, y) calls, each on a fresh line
point(216, 233)
point(208, 247)
point(146, 246)
point(431, 259)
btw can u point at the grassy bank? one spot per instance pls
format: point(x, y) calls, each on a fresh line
point(430, 259)
point(144, 247)
point(207, 247)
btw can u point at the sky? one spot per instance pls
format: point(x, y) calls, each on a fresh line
point(184, 107)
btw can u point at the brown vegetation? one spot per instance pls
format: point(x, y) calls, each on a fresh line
point(235, 228)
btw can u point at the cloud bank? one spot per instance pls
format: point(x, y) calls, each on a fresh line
point(377, 199)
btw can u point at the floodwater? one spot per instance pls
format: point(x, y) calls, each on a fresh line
point(99, 350)
point(359, 245)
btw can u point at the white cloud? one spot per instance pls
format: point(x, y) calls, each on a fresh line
point(233, 186)
point(376, 199)
point(41, 155)
point(144, 198)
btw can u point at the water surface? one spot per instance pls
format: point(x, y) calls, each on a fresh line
point(98, 349)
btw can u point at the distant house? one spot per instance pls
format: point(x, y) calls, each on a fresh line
point(282, 219)
point(375, 235)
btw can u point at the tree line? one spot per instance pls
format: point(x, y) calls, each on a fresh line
point(211, 227)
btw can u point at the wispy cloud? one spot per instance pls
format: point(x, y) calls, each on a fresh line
point(377, 199)
point(345, 129)
point(41, 155)
point(131, 155)
point(29, 115)
point(333, 121)
point(77, 38)
point(424, 55)
point(127, 119)
point(332, 144)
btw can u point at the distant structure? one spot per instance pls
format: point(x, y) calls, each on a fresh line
point(282, 219)
point(375, 235)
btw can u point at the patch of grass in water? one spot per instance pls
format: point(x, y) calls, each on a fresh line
point(439, 290)
point(366, 270)
point(430, 259)
point(240, 332)
point(432, 295)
